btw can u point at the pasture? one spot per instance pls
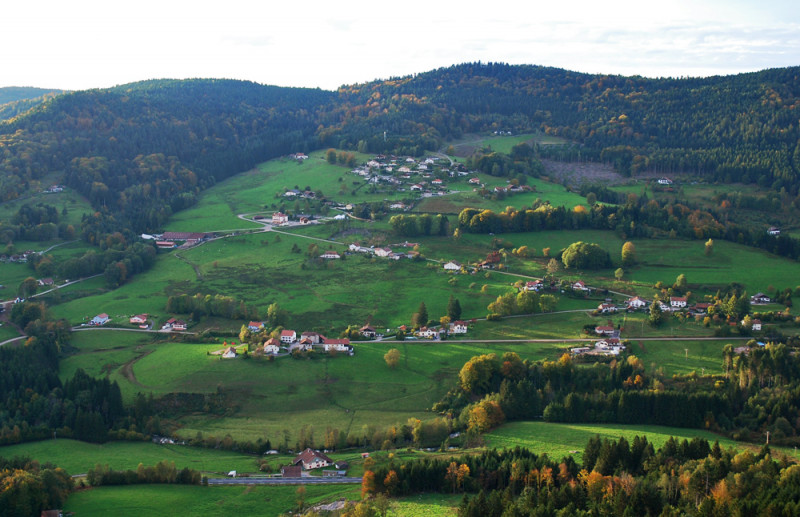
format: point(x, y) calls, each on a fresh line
point(560, 440)
point(171, 500)
point(77, 457)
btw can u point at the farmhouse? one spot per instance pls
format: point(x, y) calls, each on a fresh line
point(607, 307)
point(760, 299)
point(664, 181)
point(756, 325)
point(340, 345)
point(367, 331)
point(474, 181)
point(330, 254)
point(165, 245)
point(636, 303)
point(139, 319)
point(452, 265)
point(490, 261)
point(272, 346)
point(312, 337)
point(178, 325)
point(255, 326)
point(459, 327)
point(427, 332)
point(533, 285)
point(605, 330)
point(773, 230)
point(677, 302)
point(288, 336)
point(100, 319)
point(185, 236)
point(580, 286)
point(45, 281)
point(280, 218)
point(382, 252)
point(229, 353)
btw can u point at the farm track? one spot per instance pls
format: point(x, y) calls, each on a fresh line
point(127, 370)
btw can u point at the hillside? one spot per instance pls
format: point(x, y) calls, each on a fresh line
point(19, 93)
point(116, 145)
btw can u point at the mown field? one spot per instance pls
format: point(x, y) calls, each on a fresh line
point(77, 457)
point(171, 500)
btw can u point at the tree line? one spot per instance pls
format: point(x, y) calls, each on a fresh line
point(757, 394)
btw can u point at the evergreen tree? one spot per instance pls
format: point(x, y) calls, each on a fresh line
point(453, 308)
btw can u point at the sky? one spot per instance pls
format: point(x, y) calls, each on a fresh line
point(82, 44)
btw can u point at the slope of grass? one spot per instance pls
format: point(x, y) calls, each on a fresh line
point(559, 440)
point(77, 457)
point(171, 500)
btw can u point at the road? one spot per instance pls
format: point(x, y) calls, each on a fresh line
point(285, 481)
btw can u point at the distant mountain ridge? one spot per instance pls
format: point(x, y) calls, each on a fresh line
point(146, 149)
point(16, 100)
point(19, 93)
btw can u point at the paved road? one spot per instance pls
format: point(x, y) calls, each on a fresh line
point(285, 481)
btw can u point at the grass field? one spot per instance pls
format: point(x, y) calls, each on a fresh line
point(560, 440)
point(77, 457)
point(171, 500)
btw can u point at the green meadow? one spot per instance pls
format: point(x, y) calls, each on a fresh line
point(171, 500)
point(560, 440)
point(78, 457)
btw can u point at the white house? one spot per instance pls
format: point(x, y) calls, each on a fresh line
point(280, 218)
point(139, 319)
point(459, 327)
point(288, 336)
point(382, 252)
point(636, 303)
point(605, 330)
point(773, 231)
point(677, 302)
point(100, 319)
point(760, 299)
point(311, 459)
point(330, 255)
point(607, 307)
point(533, 285)
point(580, 286)
point(664, 181)
point(229, 353)
point(255, 326)
point(340, 345)
point(272, 346)
point(427, 332)
point(756, 325)
point(475, 181)
point(452, 265)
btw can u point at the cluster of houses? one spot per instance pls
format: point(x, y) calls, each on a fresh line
point(609, 343)
point(54, 189)
point(424, 176)
point(383, 252)
point(21, 258)
point(306, 341)
point(491, 261)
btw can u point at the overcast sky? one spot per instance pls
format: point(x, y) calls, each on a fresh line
point(83, 44)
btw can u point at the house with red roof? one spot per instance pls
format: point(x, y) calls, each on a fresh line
point(288, 336)
point(310, 459)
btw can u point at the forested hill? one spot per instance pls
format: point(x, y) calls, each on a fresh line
point(19, 93)
point(16, 100)
point(733, 128)
point(146, 149)
point(143, 150)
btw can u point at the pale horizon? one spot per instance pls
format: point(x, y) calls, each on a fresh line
point(91, 44)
